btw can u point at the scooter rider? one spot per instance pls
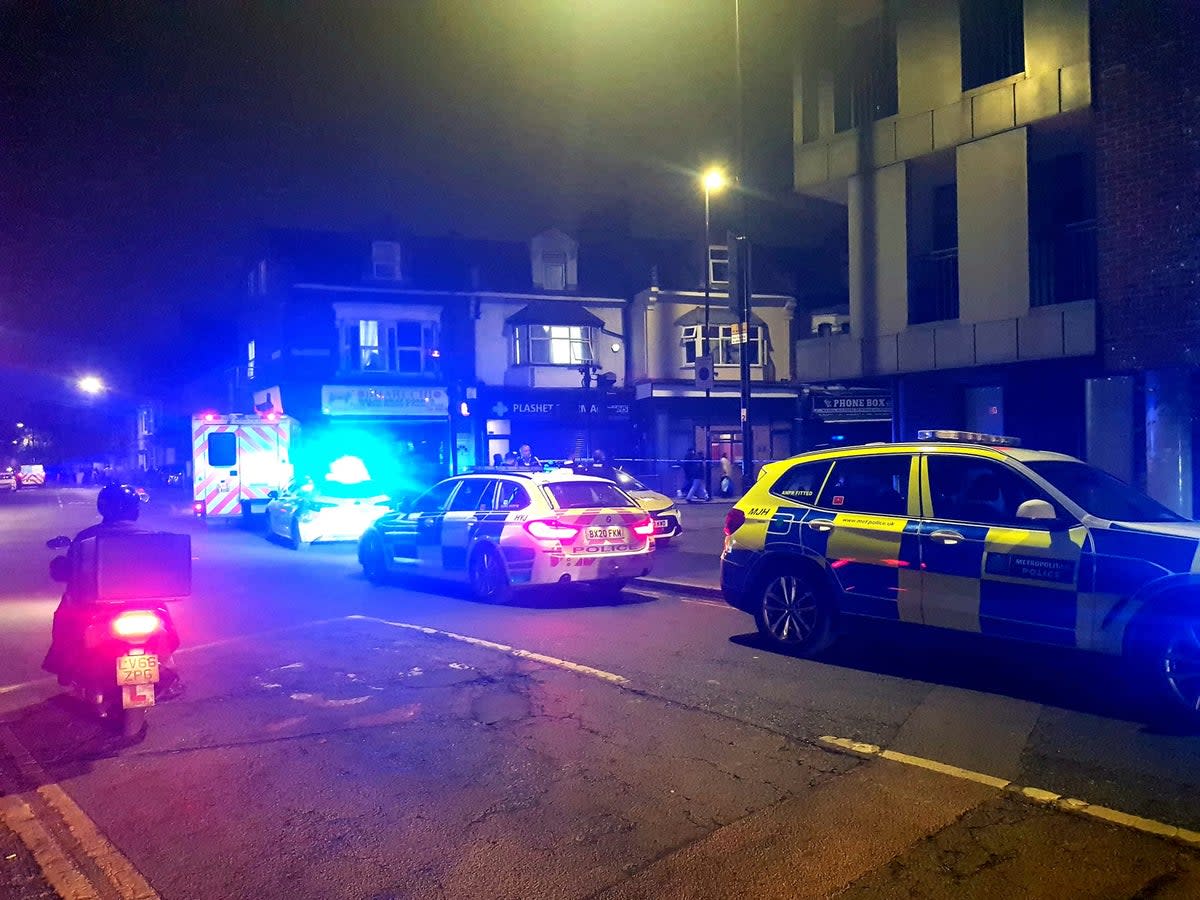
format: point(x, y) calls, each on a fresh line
point(118, 505)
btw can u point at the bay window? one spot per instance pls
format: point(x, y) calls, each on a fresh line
point(398, 347)
point(725, 344)
point(552, 345)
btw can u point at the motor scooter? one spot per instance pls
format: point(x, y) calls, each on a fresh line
point(117, 641)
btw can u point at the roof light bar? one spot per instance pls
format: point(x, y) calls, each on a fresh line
point(967, 437)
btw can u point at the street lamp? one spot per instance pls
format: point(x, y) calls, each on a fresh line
point(713, 180)
point(90, 384)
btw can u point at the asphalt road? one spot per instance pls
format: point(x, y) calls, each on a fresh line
point(339, 739)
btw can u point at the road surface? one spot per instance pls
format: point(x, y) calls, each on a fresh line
point(339, 739)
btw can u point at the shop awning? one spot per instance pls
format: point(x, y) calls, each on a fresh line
point(718, 314)
point(555, 312)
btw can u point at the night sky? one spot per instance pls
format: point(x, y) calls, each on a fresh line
point(143, 144)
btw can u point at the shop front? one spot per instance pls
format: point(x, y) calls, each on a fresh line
point(557, 423)
point(835, 415)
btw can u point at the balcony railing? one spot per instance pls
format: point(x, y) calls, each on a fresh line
point(1062, 265)
point(933, 287)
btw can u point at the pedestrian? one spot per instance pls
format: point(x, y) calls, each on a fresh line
point(510, 459)
point(599, 466)
point(526, 459)
point(726, 476)
point(693, 473)
point(497, 460)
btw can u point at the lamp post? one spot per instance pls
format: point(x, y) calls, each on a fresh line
point(90, 385)
point(713, 181)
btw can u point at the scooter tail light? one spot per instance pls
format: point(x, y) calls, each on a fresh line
point(551, 530)
point(134, 625)
point(644, 529)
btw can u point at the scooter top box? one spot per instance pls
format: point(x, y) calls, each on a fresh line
point(149, 565)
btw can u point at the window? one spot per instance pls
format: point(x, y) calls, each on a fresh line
point(993, 40)
point(474, 494)
point(718, 264)
point(966, 489)
point(385, 260)
point(810, 99)
point(554, 271)
point(399, 347)
point(250, 361)
point(724, 344)
point(552, 345)
point(868, 484)
point(587, 495)
point(1102, 494)
point(434, 499)
point(802, 482)
point(512, 496)
point(222, 449)
point(865, 88)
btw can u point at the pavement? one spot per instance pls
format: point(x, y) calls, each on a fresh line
point(339, 739)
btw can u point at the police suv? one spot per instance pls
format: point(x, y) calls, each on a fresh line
point(973, 533)
point(506, 529)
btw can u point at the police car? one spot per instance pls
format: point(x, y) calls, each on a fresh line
point(973, 533)
point(507, 530)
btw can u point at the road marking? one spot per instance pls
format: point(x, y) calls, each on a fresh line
point(60, 872)
point(578, 668)
point(1037, 795)
point(127, 882)
point(24, 685)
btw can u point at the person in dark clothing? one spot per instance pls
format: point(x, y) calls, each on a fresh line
point(118, 506)
point(693, 475)
point(526, 459)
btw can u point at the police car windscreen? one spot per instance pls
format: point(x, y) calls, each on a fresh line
point(1102, 494)
point(586, 495)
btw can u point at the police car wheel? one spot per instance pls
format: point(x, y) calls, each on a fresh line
point(793, 612)
point(1176, 661)
point(489, 581)
point(371, 558)
point(294, 539)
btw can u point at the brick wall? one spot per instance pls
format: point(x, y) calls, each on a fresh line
point(1146, 103)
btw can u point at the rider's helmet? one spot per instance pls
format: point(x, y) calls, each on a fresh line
point(118, 503)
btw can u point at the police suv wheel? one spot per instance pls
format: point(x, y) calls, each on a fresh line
point(371, 558)
point(793, 612)
point(1175, 658)
point(489, 581)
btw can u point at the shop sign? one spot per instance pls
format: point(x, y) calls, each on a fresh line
point(851, 406)
point(382, 400)
point(572, 410)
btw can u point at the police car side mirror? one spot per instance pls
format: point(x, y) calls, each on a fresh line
point(1038, 511)
point(272, 495)
point(62, 542)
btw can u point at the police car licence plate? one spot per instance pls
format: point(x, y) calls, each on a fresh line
point(662, 524)
point(609, 533)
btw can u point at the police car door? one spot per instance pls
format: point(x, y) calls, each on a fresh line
point(420, 527)
point(463, 516)
point(985, 570)
point(869, 535)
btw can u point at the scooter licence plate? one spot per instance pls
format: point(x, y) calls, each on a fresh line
point(137, 668)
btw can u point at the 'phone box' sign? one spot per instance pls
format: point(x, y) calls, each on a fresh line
point(847, 406)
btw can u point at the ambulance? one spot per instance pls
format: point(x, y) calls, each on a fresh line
point(238, 461)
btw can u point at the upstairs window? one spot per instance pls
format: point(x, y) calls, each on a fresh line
point(993, 40)
point(865, 87)
point(724, 342)
point(396, 347)
point(718, 264)
point(553, 345)
point(385, 261)
point(554, 271)
point(250, 350)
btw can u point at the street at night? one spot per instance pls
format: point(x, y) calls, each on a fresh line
point(338, 739)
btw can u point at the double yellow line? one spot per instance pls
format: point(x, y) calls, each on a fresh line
point(77, 860)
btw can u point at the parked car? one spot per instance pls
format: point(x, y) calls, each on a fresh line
point(668, 520)
point(8, 480)
point(327, 511)
point(507, 531)
point(975, 534)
